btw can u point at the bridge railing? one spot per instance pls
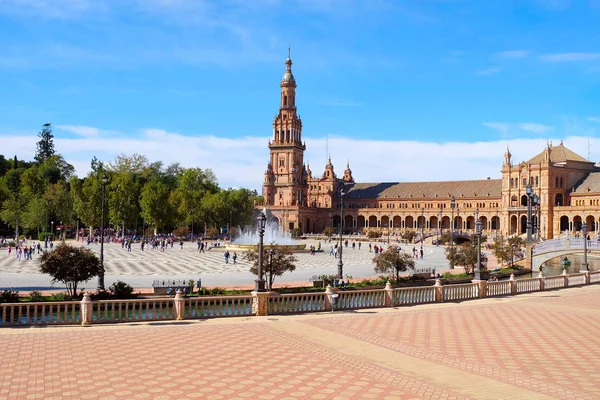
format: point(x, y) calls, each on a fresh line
point(562, 244)
point(89, 312)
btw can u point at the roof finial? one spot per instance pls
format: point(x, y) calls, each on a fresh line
point(348, 163)
point(289, 51)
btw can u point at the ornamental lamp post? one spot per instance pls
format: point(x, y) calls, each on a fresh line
point(340, 264)
point(439, 228)
point(529, 193)
point(101, 275)
point(478, 229)
point(389, 226)
point(259, 283)
point(452, 205)
point(422, 228)
point(584, 231)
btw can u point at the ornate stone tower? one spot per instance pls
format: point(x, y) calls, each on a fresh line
point(285, 179)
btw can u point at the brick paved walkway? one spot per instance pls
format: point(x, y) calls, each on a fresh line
point(535, 346)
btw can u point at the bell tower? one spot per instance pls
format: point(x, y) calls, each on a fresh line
point(285, 184)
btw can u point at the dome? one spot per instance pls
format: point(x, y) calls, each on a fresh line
point(288, 77)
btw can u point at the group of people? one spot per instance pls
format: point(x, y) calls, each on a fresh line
point(24, 251)
point(227, 255)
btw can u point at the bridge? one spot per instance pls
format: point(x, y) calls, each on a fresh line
point(554, 248)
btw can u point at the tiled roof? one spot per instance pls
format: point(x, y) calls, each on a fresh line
point(558, 154)
point(426, 190)
point(591, 182)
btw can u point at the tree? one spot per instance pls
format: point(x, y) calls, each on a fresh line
point(87, 199)
point(516, 248)
point(70, 265)
point(409, 235)
point(393, 261)
point(45, 146)
point(155, 204)
point(329, 231)
point(123, 196)
point(60, 203)
point(283, 260)
point(465, 255)
point(501, 250)
point(12, 207)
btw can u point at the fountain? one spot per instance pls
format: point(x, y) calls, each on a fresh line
point(248, 237)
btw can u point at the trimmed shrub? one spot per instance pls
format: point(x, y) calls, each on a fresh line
point(121, 290)
point(9, 296)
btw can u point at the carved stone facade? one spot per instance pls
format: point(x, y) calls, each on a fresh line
point(567, 184)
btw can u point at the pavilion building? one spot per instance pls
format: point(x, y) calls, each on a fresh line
point(567, 184)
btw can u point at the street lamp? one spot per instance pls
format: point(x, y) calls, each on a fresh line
point(584, 231)
point(259, 283)
point(478, 229)
point(340, 264)
point(389, 226)
point(452, 205)
point(439, 228)
point(101, 275)
point(529, 193)
point(422, 228)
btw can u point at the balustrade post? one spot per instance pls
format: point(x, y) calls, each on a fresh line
point(513, 284)
point(329, 291)
point(482, 286)
point(565, 277)
point(439, 291)
point(587, 277)
point(179, 306)
point(260, 303)
point(86, 310)
point(389, 295)
point(542, 280)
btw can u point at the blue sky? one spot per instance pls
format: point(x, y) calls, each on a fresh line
point(197, 81)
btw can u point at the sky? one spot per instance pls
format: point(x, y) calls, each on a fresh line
point(405, 90)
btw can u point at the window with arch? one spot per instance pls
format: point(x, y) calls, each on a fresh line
point(537, 181)
point(524, 182)
point(561, 181)
point(556, 182)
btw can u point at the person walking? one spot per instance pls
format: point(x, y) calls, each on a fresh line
point(234, 257)
point(226, 257)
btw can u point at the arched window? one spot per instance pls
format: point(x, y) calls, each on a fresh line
point(561, 181)
point(556, 182)
point(285, 100)
point(537, 181)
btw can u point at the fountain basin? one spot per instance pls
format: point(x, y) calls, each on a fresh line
point(246, 247)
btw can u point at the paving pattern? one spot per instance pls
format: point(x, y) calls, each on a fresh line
point(139, 268)
point(535, 346)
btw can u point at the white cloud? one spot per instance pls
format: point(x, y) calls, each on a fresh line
point(488, 71)
point(513, 54)
point(570, 57)
point(241, 162)
point(594, 119)
point(507, 128)
point(534, 128)
point(85, 131)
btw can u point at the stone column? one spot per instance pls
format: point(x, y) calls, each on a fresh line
point(513, 284)
point(389, 295)
point(482, 285)
point(260, 303)
point(329, 291)
point(565, 277)
point(542, 280)
point(179, 306)
point(528, 256)
point(439, 291)
point(86, 310)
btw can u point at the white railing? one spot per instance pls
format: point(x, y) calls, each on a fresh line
point(54, 313)
point(296, 303)
point(461, 292)
point(360, 299)
point(554, 282)
point(414, 295)
point(498, 288)
point(528, 285)
point(560, 244)
point(221, 306)
point(132, 310)
point(110, 311)
point(577, 279)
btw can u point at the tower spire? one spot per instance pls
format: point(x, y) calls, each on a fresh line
point(289, 52)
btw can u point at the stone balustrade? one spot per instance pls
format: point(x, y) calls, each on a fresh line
point(88, 312)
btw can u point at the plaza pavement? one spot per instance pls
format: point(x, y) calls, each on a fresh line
point(141, 268)
point(534, 346)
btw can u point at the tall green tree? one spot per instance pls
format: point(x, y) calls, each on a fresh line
point(123, 199)
point(87, 199)
point(45, 146)
point(392, 262)
point(12, 208)
point(155, 205)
